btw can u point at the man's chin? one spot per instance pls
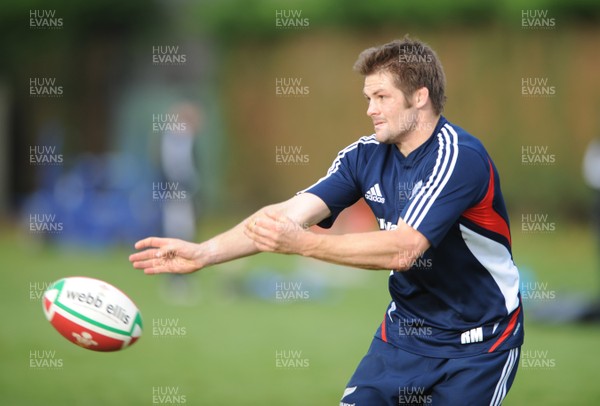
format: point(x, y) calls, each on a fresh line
point(382, 137)
point(386, 138)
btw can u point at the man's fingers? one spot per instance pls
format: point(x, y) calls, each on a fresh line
point(260, 230)
point(157, 248)
point(149, 263)
point(258, 235)
point(153, 259)
point(166, 252)
point(143, 255)
point(150, 242)
point(250, 225)
point(155, 265)
point(152, 253)
point(155, 270)
point(264, 245)
point(248, 230)
point(254, 227)
point(271, 221)
point(280, 221)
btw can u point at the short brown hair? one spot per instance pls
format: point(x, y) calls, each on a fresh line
point(412, 63)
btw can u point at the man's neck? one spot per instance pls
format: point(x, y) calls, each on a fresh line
point(418, 136)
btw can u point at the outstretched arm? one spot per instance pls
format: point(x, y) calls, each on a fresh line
point(394, 249)
point(169, 255)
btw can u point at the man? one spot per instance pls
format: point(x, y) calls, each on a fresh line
point(453, 330)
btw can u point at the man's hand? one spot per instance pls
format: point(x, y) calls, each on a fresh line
point(167, 255)
point(275, 232)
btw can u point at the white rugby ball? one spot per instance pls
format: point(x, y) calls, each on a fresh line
point(92, 313)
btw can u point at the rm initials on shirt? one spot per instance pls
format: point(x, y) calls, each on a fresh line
point(474, 335)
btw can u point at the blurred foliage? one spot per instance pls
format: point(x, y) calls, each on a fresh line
point(81, 18)
point(234, 19)
point(243, 19)
point(481, 43)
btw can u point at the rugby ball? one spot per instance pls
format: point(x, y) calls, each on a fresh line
point(92, 314)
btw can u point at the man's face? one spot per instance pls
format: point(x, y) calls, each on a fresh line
point(392, 114)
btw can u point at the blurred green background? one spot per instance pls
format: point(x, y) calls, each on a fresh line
point(228, 60)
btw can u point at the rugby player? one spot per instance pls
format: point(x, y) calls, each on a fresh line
point(452, 332)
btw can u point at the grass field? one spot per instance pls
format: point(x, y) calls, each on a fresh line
point(224, 349)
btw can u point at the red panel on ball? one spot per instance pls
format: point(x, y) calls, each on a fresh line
point(84, 337)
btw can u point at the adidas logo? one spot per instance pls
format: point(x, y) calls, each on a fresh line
point(374, 194)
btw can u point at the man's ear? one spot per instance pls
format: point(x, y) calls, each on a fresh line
point(420, 97)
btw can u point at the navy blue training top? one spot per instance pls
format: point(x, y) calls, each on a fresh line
point(461, 297)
